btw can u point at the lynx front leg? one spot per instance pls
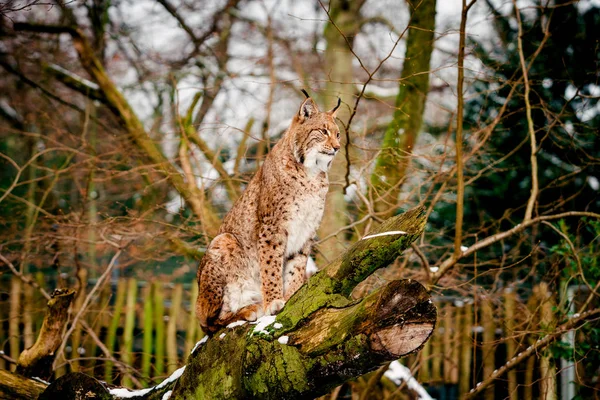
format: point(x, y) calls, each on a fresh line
point(271, 248)
point(294, 271)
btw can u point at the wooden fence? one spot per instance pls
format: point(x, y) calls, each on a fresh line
point(149, 328)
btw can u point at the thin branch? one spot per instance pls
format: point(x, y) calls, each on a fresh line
point(460, 189)
point(173, 11)
point(574, 251)
point(423, 259)
point(450, 262)
point(24, 278)
point(534, 166)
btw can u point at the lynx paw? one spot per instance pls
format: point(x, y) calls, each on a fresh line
point(253, 315)
point(274, 307)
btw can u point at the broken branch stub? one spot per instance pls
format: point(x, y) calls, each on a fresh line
point(37, 360)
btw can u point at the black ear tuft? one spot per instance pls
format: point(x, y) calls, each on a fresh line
point(335, 109)
point(305, 93)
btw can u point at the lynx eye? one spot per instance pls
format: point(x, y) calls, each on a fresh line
point(324, 132)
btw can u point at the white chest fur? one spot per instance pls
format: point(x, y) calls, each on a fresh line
point(306, 215)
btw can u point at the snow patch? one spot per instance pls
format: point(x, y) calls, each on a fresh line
point(262, 323)
point(398, 373)
point(200, 343)
point(388, 233)
point(283, 339)
point(35, 378)
point(174, 376)
point(311, 268)
point(167, 395)
point(222, 335)
point(277, 325)
point(75, 77)
point(236, 323)
point(464, 248)
point(124, 393)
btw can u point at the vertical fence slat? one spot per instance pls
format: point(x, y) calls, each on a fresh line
point(173, 359)
point(511, 343)
point(424, 370)
point(548, 324)
point(455, 346)
point(111, 335)
point(447, 340)
point(100, 320)
point(466, 354)
point(14, 318)
point(436, 358)
point(148, 328)
point(159, 312)
point(4, 307)
point(28, 328)
point(488, 347)
point(192, 325)
point(127, 351)
point(76, 336)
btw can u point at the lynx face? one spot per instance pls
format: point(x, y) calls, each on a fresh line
point(317, 138)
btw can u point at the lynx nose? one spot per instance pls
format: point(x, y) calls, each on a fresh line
point(336, 147)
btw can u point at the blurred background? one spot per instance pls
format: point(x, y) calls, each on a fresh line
point(128, 129)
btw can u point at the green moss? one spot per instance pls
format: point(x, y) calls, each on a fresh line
point(320, 291)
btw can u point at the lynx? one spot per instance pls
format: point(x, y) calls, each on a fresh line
point(258, 259)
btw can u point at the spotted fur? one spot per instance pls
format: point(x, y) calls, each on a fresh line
point(258, 259)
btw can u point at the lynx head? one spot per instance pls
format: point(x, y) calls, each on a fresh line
point(315, 135)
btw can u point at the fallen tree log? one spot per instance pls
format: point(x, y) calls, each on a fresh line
point(320, 339)
point(17, 387)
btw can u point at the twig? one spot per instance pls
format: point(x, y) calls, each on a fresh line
point(572, 246)
point(7, 358)
point(24, 278)
point(423, 259)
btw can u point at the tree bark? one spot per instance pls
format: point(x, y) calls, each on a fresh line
point(37, 360)
point(339, 33)
point(401, 134)
point(17, 387)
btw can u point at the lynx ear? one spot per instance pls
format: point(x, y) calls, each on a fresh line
point(335, 109)
point(307, 110)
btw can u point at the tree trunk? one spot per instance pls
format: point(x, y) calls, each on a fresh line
point(321, 338)
point(338, 68)
point(401, 134)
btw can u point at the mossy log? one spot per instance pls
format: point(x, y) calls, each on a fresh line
point(321, 338)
